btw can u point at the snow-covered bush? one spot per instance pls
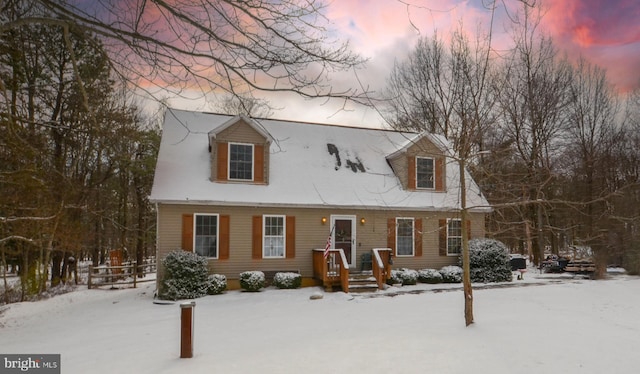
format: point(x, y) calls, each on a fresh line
point(431, 276)
point(252, 281)
point(287, 280)
point(451, 274)
point(408, 276)
point(489, 261)
point(395, 277)
point(217, 284)
point(404, 276)
point(186, 276)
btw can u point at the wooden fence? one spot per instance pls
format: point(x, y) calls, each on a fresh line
point(125, 274)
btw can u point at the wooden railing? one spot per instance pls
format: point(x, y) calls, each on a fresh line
point(121, 275)
point(332, 270)
point(381, 265)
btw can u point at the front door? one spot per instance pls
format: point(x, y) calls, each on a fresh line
point(344, 236)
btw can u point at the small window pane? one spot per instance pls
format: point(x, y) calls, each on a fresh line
point(273, 236)
point(404, 236)
point(454, 237)
point(206, 235)
point(241, 161)
point(424, 172)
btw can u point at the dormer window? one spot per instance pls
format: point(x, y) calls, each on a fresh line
point(241, 161)
point(424, 173)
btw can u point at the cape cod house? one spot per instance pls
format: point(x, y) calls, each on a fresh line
point(262, 194)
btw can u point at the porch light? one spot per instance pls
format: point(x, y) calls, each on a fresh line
point(362, 221)
point(324, 220)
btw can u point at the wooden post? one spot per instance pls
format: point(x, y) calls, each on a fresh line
point(186, 329)
point(89, 280)
point(135, 272)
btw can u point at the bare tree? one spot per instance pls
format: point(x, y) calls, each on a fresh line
point(234, 47)
point(446, 91)
point(533, 97)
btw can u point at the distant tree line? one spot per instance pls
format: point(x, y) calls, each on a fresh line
point(554, 147)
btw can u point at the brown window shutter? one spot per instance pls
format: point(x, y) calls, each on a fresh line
point(223, 240)
point(391, 235)
point(223, 161)
point(439, 174)
point(411, 173)
point(187, 232)
point(468, 229)
point(291, 237)
point(256, 250)
point(442, 237)
point(258, 167)
point(417, 230)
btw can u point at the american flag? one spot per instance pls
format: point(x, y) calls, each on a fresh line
point(326, 248)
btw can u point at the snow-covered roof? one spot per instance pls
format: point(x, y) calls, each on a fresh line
point(310, 165)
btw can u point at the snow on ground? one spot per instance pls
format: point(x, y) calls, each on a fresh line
point(563, 325)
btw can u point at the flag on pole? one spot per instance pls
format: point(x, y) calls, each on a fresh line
point(326, 248)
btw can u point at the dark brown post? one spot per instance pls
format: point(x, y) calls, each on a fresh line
point(186, 329)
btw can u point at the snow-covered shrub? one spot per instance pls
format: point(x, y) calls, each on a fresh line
point(252, 281)
point(489, 261)
point(395, 277)
point(451, 274)
point(431, 276)
point(404, 276)
point(408, 276)
point(186, 276)
point(217, 284)
point(287, 280)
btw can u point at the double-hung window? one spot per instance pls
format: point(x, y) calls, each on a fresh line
point(405, 236)
point(206, 235)
point(274, 234)
point(424, 172)
point(454, 237)
point(241, 161)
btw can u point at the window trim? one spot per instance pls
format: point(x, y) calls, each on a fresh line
point(253, 162)
point(195, 233)
point(452, 236)
point(284, 235)
point(433, 173)
point(413, 237)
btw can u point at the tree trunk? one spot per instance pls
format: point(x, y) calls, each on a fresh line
point(466, 272)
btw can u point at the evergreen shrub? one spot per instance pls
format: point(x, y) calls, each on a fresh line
point(287, 280)
point(431, 276)
point(489, 261)
point(252, 281)
point(217, 284)
point(186, 276)
point(451, 274)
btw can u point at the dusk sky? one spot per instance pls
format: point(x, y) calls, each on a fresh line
point(605, 32)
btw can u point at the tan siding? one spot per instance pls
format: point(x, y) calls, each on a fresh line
point(399, 166)
point(310, 233)
point(240, 132)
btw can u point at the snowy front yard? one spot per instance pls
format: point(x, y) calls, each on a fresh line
point(564, 326)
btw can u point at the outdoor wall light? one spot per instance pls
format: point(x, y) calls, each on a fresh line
point(362, 221)
point(324, 220)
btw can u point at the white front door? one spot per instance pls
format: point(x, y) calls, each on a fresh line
point(344, 236)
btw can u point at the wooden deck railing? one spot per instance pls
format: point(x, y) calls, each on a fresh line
point(332, 270)
point(381, 265)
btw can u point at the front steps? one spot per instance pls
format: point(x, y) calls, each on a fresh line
point(360, 282)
